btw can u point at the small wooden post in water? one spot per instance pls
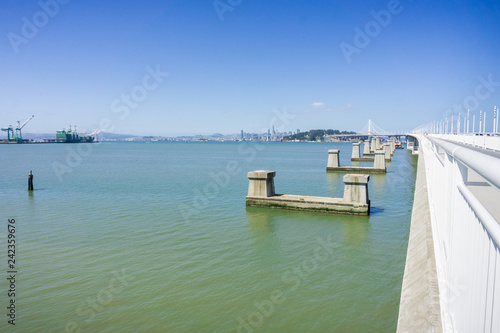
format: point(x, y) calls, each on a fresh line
point(30, 181)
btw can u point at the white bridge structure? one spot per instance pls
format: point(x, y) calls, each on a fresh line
point(369, 130)
point(452, 274)
point(372, 129)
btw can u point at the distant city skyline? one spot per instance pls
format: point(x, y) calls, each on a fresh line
point(171, 68)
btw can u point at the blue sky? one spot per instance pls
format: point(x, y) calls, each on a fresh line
point(233, 69)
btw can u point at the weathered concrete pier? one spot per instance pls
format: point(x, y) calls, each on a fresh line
point(261, 193)
point(367, 155)
point(366, 147)
point(373, 146)
point(356, 150)
point(387, 150)
point(378, 163)
point(356, 156)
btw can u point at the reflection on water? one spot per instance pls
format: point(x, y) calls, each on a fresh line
point(378, 180)
point(335, 183)
point(262, 221)
point(355, 232)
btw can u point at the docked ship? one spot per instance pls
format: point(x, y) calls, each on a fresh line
point(69, 136)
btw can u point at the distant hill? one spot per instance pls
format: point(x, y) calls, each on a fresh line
point(315, 135)
point(113, 136)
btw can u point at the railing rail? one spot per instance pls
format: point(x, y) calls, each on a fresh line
point(466, 236)
point(485, 165)
point(487, 141)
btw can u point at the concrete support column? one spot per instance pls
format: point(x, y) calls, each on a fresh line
point(377, 143)
point(356, 188)
point(261, 183)
point(333, 158)
point(355, 150)
point(379, 161)
point(366, 147)
point(387, 150)
point(393, 145)
point(372, 146)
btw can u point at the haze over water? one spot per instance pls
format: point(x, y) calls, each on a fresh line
point(153, 238)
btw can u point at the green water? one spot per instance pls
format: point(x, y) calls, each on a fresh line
point(136, 237)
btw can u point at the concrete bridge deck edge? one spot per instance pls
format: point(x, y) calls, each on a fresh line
point(419, 309)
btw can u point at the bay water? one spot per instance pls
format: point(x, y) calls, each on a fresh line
point(156, 237)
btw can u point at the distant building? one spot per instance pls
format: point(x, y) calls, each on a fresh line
point(298, 131)
point(242, 135)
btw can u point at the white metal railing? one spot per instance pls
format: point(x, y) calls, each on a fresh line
point(462, 123)
point(466, 236)
point(489, 141)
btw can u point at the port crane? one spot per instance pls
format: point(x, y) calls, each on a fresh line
point(14, 134)
point(10, 132)
point(19, 137)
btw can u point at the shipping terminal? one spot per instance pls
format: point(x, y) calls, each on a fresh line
point(14, 135)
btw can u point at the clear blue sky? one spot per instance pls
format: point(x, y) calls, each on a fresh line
point(229, 74)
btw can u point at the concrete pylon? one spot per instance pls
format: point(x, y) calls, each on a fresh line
point(261, 183)
point(355, 149)
point(372, 146)
point(387, 150)
point(333, 158)
point(393, 145)
point(379, 160)
point(377, 143)
point(366, 147)
point(356, 188)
